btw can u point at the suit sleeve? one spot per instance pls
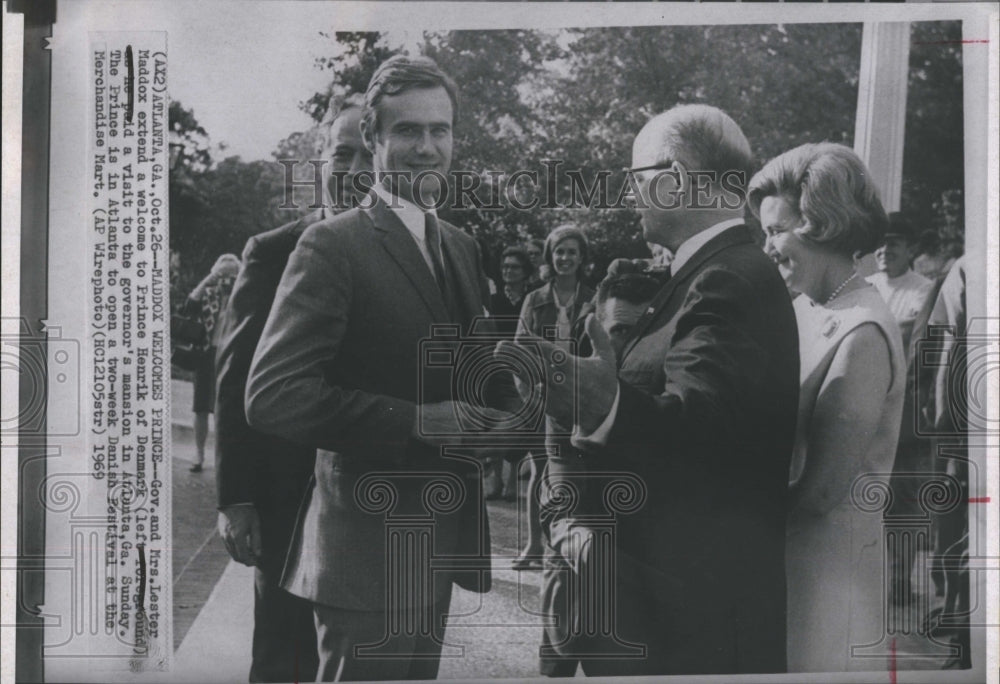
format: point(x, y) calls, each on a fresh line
point(714, 368)
point(239, 458)
point(290, 392)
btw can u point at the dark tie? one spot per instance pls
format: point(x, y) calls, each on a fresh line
point(432, 234)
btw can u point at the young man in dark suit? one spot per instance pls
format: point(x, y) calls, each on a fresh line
point(260, 479)
point(392, 519)
point(700, 412)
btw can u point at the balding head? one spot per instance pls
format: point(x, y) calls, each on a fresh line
point(701, 137)
point(692, 165)
point(344, 150)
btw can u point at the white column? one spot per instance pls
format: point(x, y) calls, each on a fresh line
point(880, 125)
point(881, 116)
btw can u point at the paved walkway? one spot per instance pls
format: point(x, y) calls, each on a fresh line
point(496, 635)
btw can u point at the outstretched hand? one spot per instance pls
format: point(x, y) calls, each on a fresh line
point(239, 527)
point(439, 424)
point(578, 390)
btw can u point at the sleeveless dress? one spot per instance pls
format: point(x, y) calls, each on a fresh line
point(835, 563)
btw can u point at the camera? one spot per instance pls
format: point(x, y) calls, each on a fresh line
point(467, 369)
point(47, 366)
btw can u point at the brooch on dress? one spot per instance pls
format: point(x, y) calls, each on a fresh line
point(830, 326)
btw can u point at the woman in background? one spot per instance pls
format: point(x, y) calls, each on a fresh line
point(505, 307)
point(556, 307)
point(536, 250)
point(819, 209)
point(208, 301)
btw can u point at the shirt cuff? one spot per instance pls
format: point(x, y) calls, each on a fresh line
point(234, 505)
point(598, 437)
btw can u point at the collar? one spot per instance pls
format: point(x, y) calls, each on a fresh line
point(904, 277)
point(409, 213)
point(697, 241)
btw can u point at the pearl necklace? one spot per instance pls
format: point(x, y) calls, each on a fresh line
point(840, 288)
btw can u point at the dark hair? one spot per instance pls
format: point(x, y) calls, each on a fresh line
point(900, 226)
point(339, 104)
point(634, 288)
point(929, 241)
point(521, 255)
point(399, 74)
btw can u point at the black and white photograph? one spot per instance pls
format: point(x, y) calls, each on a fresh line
point(383, 341)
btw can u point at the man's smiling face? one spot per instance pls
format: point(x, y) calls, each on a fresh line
point(414, 137)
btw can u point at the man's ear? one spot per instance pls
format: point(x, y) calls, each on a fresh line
point(367, 135)
point(680, 172)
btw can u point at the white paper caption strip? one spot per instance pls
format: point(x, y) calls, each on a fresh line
point(129, 342)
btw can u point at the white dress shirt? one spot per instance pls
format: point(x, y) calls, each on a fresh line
point(905, 294)
point(599, 437)
point(413, 217)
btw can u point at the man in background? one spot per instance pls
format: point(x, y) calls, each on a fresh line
point(260, 479)
point(902, 288)
point(576, 562)
point(906, 292)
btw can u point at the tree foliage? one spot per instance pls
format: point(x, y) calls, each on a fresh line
point(580, 96)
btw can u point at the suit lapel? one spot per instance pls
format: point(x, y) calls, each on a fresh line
point(398, 242)
point(731, 236)
point(464, 277)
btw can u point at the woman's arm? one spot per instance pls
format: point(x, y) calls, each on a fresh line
point(846, 418)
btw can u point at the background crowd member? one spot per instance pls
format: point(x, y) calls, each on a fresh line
point(947, 411)
point(661, 255)
point(818, 207)
point(260, 479)
point(208, 301)
point(505, 306)
point(902, 288)
point(552, 308)
point(934, 255)
point(572, 548)
point(536, 250)
point(906, 292)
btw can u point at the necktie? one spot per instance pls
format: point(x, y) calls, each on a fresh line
point(432, 234)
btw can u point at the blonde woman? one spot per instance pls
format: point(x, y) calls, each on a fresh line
point(819, 209)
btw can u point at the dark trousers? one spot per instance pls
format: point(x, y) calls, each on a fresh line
point(912, 469)
point(597, 620)
point(284, 635)
point(356, 646)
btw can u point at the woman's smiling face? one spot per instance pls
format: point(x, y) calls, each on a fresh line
point(799, 262)
point(567, 257)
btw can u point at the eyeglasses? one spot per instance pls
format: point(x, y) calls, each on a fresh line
point(666, 164)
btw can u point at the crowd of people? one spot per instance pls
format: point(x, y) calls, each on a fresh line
point(709, 412)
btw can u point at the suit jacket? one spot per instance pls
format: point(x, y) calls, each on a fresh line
point(251, 466)
point(339, 368)
point(706, 419)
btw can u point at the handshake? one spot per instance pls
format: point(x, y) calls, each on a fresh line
point(503, 389)
point(486, 407)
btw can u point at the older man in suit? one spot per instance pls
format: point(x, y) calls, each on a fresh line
point(392, 518)
point(260, 479)
point(700, 413)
